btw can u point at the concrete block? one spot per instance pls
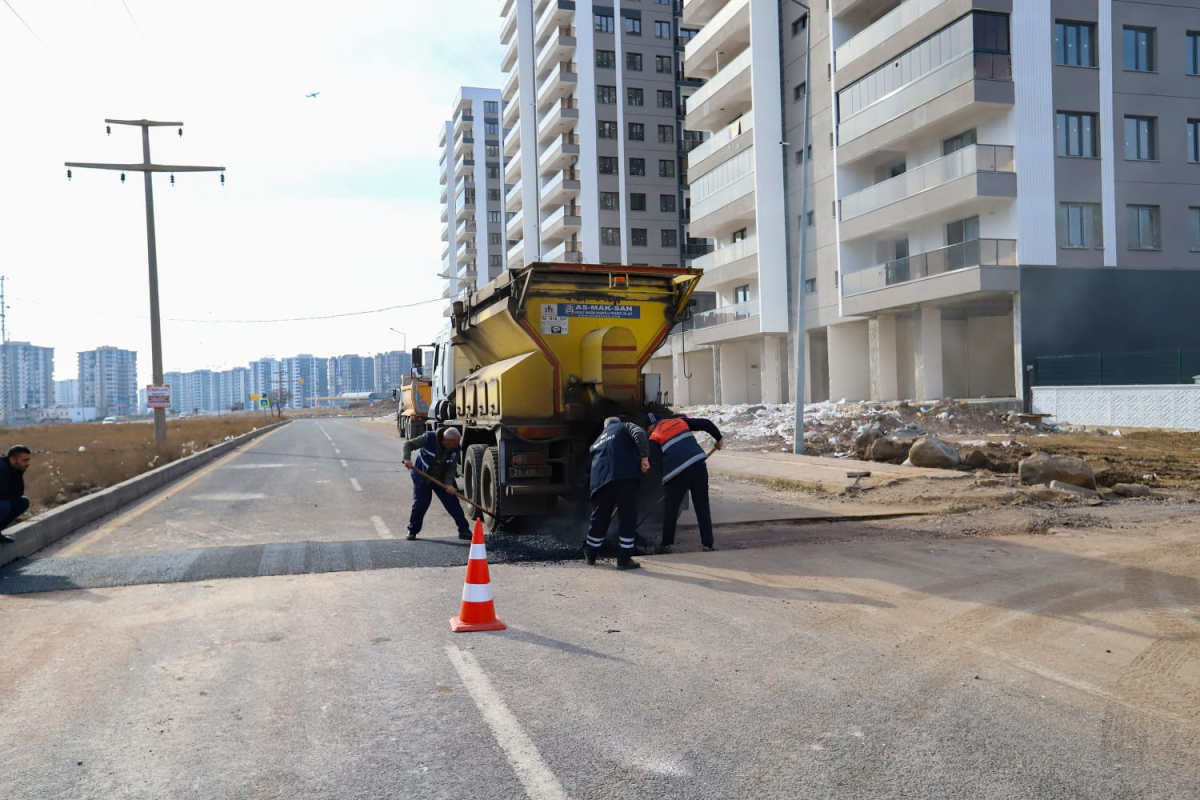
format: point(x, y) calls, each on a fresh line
point(1076, 490)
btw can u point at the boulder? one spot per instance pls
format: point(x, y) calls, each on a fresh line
point(930, 452)
point(1042, 468)
point(1131, 490)
point(888, 450)
point(864, 440)
point(977, 459)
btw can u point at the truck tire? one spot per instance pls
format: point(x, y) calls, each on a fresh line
point(489, 486)
point(415, 427)
point(400, 425)
point(472, 465)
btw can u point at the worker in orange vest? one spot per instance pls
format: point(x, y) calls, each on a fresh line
point(683, 472)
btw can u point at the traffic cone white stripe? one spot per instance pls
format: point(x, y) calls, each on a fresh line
point(477, 592)
point(478, 551)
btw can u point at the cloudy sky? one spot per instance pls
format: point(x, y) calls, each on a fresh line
point(331, 205)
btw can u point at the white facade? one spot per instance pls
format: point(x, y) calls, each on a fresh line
point(108, 381)
point(26, 378)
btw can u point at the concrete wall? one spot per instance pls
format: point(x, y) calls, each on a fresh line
point(1176, 407)
point(990, 357)
point(849, 361)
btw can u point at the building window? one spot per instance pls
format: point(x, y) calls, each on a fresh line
point(635, 97)
point(495, 262)
point(493, 173)
point(610, 237)
point(666, 203)
point(491, 128)
point(810, 285)
point(637, 237)
point(666, 168)
point(664, 65)
point(491, 151)
point(1140, 139)
point(607, 130)
point(1143, 228)
point(799, 157)
point(799, 25)
point(637, 132)
point(1079, 225)
point(810, 219)
point(686, 35)
point(633, 26)
point(606, 95)
point(1139, 49)
point(608, 165)
point(491, 107)
point(633, 62)
point(494, 238)
point(610, 201)
point(637, 201)
point(1073, 44)
point(956, 143)
point(494, 217)
point(1194, 226)
point(666, 98)
point(606, 59)
point(799, 92)
point(1193, 140)
point(662, 30)
point(670, 237)
point(1076, 134)
point(666, 134)
point(637, 166)
point(604, 23)
point(1193, 53)
point(493, 195)
point(741, 294)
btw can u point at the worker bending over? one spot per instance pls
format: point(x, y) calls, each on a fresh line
point(619, 457)
point(683, 471)
point(437, 457)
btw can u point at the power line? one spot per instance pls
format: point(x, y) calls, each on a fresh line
point(136, 27)
point(249, 321)
point(23, 22)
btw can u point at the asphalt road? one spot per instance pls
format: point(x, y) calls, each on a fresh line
point(1023, 666)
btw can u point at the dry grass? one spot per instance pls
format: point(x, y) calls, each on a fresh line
point(70, 461)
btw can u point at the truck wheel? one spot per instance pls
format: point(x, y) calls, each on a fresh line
point(400, 425)
point(472, 465)
point(489, 486)
point(415, 427)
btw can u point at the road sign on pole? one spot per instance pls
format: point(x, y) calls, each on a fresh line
point(264, 402)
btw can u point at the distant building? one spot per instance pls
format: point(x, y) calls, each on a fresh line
point(66, 393)
point(351, 374)
point(390, 370)
point(305, 378)
point(236, 388)
point(108, 381)
point(264, 377)
point(26, 378)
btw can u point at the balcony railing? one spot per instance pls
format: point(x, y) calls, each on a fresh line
point(721, 80)
point(940, 171)
point(721, 138)
point(975, 253)
point(883, 29)
point(725, 315)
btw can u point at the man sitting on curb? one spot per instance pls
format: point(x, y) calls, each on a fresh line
point(13, 502)
point(437, 457)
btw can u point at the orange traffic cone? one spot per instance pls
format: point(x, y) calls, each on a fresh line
point(477, 612)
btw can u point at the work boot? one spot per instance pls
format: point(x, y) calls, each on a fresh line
point(708, 548)
point(589, 555)
point(625, 562)
point(662, 550)
point(411, 536)
point(464, 535)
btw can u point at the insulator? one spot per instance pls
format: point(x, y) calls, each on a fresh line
point(172, 179)
point(181, 132)
point(222, 178)
point(108, 129)
point(122, 177)
point(68, 174)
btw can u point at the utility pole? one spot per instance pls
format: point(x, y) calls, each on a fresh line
point(147, 169)
point(3, 312)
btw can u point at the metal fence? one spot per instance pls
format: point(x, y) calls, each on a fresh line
point(1118, 369)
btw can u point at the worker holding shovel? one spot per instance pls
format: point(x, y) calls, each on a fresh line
point(436, 465)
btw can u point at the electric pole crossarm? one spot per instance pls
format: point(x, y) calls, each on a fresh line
point(144, 167)
point(144, 123)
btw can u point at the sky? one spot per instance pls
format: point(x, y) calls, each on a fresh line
point(331, 204)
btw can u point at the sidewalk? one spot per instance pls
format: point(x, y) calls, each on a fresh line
point(827, 474)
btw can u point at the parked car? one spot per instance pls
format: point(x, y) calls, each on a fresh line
point(109, 421)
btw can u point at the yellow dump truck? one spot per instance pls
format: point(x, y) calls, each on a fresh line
point(540, 357)
point(414, 400)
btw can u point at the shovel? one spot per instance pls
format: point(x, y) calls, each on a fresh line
point(457, 494)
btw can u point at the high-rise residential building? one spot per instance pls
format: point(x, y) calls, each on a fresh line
point(306, 379)
point(236, 388)
point(931, 270)
point(26, 378)
point(351, 374)
point(592, 96)
point(265, 377)
point(108, 381)
point(472, 177)
point(391, 368)
point(66, 392)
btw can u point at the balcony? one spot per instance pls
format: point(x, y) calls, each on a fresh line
point(724, 198)
point(512, 170)
point(512, 111)
point(563, 116)
point(505, 5)
point(466, 181)
point(560, 83)
point(729, 263)
point(445, 192)
point(561, 224)
point(558, 14)
point(463, 123)
point(464, 166)
point(860, 9)
point(514, 197)
point(516, 254)
point(726, 323)
point(565, 253)
point(515, 227)
point(446, 231)
point(508, 90)
point(445, 251)
point(901, 29)
point(968, 268)
point(442, 135)
point(445, 213)
point(466, 252)
point(508, 24)
point(962, 90)
point(512, 140)
point(559, 47)
point(463, 210)
point(464, 146)
point(725, 97)
point(719, 41)
point(561, 188)
point(510, 54)
point(698, 12)
point(464, 227)
point(721, 146)
point(725, 315)
point(560, 153)
point(980, 176)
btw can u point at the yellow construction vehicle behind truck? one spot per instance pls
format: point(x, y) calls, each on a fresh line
point(414, 397)
point(551, 349)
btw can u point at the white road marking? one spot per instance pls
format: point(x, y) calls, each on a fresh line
point(257, 466)
point(229, 497)
point(327, 436)
point(354, 482)
point(526, 761)
point(381, 528)
point(337, 452)
point(344, 464)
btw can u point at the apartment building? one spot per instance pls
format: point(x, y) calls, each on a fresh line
point(928, 272)
point(66, 392)
point(592, 95)
point(305, 379)
point(391, 369)
point(26, 378)
point(108, 381)
point(472, 177)
point(351, 374)
point(236, 388)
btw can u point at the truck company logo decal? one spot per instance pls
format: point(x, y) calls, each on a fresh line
point(610, 310)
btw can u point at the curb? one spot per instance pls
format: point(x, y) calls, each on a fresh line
point(45, 529)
